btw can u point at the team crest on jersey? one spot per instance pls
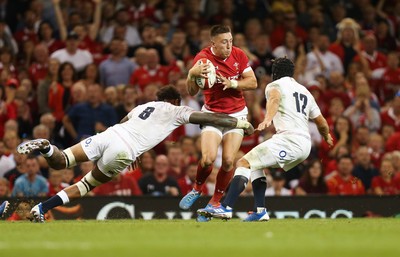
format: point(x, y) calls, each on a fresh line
point(236, 65)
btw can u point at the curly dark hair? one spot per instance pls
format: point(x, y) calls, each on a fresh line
point(282, 67)
point(168, 93)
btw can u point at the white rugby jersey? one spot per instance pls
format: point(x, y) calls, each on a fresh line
point(297, 106)
point(151, 123)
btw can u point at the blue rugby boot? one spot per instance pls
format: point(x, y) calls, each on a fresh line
point(4, 208)
point(189, 199)
point(37, 213)
point(216, 211)
point(260, 215)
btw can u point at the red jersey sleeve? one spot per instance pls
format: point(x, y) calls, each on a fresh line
point(243, 62)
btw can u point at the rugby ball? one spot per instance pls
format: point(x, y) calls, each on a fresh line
point(207, 82)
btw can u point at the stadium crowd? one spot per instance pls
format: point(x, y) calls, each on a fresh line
point(70, 69)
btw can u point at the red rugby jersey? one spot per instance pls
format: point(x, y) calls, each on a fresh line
point(230, 100)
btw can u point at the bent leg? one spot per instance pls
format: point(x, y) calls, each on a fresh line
point(56, 158)
point(230, 144)
point(70, 157)
point(86, 184)
point(238, 184)
point(210, 141)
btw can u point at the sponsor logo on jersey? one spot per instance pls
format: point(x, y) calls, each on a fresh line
point(282, 154)
point(88, 141)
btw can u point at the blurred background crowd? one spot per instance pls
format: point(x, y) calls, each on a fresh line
point(70, 69)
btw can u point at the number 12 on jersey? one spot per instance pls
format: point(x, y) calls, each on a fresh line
point(303, 99)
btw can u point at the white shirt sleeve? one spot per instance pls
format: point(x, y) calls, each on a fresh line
point(183, 114)
point(378, 73)
point(314, 109)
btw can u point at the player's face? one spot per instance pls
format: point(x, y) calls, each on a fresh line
point(222, 45)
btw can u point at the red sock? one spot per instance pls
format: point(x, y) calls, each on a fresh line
point(201, 176)
point(223, 179)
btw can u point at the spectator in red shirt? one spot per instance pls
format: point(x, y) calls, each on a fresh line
point(347, 41)
point(7, 110)
point(289, 24)
point(55, 182)
point(385, 184)
point(175, 157)
point(343, 183)
point(60, 91)
point(342, 136)
point(186, 182)
point(393, 142)
point(46, 37)
point(38, 69)
point(376, 149)
point(28, 31)
point(391, 116)
point(44, 86)
point(336, 88)
point(387, 79)
point(370, 58)
point(386, 42)
point(151, 73)
point(140, 12)
point(145, 165)
point(120, 185)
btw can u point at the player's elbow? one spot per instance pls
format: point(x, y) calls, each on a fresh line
point(253, 83)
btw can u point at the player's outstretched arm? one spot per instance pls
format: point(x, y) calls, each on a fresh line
point(323, 129)
point(274, 99)
point(223, 120)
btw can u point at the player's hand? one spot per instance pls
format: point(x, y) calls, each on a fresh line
point(248, 131)
point(264, 124)
point(329, 140)
point(225, 81)
point(200, 70)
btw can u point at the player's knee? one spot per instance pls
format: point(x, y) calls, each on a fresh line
point(243, 163)
point(207, 160)
point(227, 163)
point(87, 183)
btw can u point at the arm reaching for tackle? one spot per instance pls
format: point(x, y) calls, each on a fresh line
point(272, 108)
point(223, 120)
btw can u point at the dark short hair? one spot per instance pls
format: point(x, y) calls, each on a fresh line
point(282, 67)
point(168, 93)
point(219, 29)
point(32, 156)
point(346, 156)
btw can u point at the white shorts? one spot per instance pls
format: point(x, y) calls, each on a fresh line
point(223, 131)
point(281, 151)
point(110, 151)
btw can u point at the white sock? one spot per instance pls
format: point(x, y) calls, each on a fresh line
point(64, 197)
point(49, 153)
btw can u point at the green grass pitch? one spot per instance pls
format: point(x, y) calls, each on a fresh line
point(176, 238)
